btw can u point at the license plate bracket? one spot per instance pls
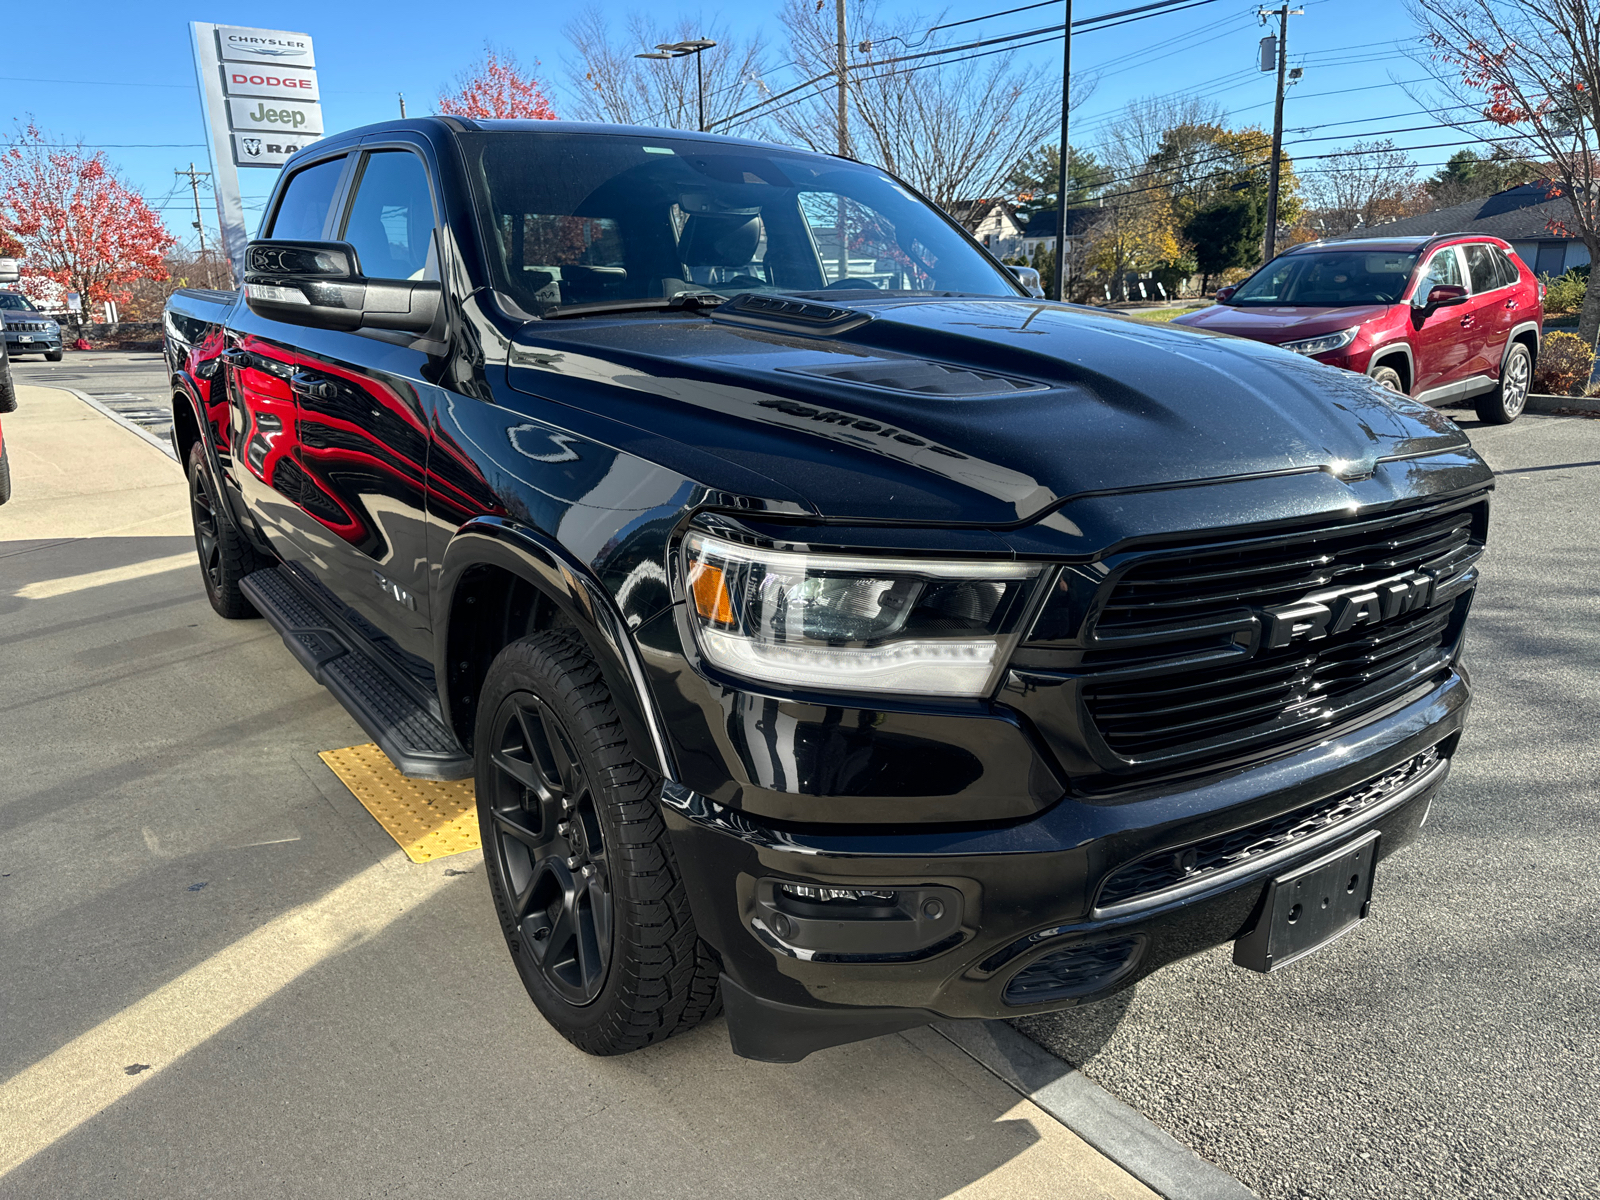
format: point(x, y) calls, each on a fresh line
point(1310, 906)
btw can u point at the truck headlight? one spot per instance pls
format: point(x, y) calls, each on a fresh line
point(854, 623)
point(1323, 344)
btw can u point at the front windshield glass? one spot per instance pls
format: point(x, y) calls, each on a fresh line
point(590, 218)
point(14, 301)
point(1329, 279)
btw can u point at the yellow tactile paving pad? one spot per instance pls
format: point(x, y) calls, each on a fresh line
point(429, 820)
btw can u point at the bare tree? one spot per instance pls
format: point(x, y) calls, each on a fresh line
point(954, 126)
point(609, 84)
point(1533, 67)
point(1146, 128)
point(1368, 184)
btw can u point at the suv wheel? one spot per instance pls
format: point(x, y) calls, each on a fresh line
point(5, 473)
point(1388, 377)
point(225, 556)
point(1504, 405)
point(583, 876)
point(52, 356)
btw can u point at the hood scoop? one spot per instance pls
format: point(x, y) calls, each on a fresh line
point(919, 377)
point(788, 314)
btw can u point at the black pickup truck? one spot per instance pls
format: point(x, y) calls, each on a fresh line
point(836, 634)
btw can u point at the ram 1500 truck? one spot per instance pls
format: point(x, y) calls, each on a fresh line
point(835, 633)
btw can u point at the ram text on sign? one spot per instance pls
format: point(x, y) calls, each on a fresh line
point(265, 46)
point(274, 116)
point(281, 83)
point(266, 149)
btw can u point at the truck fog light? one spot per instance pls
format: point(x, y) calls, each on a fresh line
point(825, 923)
point(826, 895)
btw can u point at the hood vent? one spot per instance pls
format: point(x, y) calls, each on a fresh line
point(919, 377)
point(788, 314)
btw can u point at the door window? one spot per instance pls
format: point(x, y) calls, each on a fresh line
point(391, 218)
point(1444, 270)
point(1481, 268)
point(303, 211)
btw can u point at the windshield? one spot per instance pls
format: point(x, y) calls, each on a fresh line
point(1329, 279)
point(14, 301)
point(590, 218)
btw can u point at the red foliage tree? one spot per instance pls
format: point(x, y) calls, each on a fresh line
point(81, 229)
point(495, 87)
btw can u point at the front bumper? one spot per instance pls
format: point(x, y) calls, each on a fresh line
point(1027, 890)
point(37, 343)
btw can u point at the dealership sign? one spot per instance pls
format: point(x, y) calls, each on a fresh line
point(262, 105)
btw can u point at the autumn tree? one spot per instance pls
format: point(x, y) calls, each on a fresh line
point(953, 130)
point(496, 88)
point(1367, 184)
point(609, 83)
point(1533, 67)
point(80, 227)
point(1135, 237)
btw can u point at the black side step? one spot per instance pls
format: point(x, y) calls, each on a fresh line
point(340, 660)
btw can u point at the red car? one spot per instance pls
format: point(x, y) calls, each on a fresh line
point(1440, 318)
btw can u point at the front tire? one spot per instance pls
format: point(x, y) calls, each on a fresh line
point(225, 556)
point(1388, 377)
point(5, 473)
point(1505, 404)
point(52, 356)
point(583, 876)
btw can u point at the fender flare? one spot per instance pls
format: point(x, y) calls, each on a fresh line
point(1517, 331)
point(1390, 350)
point(573, 589)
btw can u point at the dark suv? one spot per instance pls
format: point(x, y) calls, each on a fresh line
point(27, 329)
point(833, 630)
point(1440, 318)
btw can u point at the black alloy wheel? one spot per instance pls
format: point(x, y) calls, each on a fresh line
point(550, 848)
point(225, 556)
point(580, 866)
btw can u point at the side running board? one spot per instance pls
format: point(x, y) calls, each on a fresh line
point(338, 658)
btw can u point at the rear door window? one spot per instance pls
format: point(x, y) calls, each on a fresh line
point(391, 218)
point(1481, 268)
point(303, 211)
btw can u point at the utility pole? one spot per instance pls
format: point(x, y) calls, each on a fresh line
point(194, 183)
point(1283, 13)
point(402, 96)
point(844, 83)
point(1058, 268)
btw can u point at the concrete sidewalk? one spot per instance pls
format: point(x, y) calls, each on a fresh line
point(220, 978)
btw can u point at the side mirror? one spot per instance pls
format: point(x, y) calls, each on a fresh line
point(1224, 294)
point(1444, 294)
point(319, 284)
point(1028, 278)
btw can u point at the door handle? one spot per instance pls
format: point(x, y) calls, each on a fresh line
point(1511, 303)
point(313, 387)
point(238, 359)
point(1466, 322)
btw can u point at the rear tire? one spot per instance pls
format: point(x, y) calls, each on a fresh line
point(580, 866)
point(226, 557)
point(1505, 404)
point(5, 472)
point(1388, 377)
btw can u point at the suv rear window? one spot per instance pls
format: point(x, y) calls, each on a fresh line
point(1482, 268)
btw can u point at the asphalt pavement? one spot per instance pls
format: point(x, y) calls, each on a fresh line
point(1447, 1047)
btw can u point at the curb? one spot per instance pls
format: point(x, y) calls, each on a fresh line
point(161, 444)
point(1540, 403)
point(1128, 1138)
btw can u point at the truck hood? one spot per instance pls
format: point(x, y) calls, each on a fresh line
point(1280, 323)
point(969, 411)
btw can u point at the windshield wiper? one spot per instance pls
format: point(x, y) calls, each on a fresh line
point(688, 301)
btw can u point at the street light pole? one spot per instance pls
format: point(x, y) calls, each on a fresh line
point(1058, 268)
point(696, 47)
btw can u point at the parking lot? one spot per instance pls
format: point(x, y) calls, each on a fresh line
point(230, 981)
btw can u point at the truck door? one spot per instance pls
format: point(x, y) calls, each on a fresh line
point(1438, 342)
point(265, 467)
point(364, 408)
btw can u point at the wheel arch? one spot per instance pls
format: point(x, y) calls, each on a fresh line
point(1526, 334)
point(1396, 355)
point(499, 581)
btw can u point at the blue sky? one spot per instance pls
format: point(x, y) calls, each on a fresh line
point(124, 78)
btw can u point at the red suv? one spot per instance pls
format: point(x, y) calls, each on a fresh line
point(1439, 318)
